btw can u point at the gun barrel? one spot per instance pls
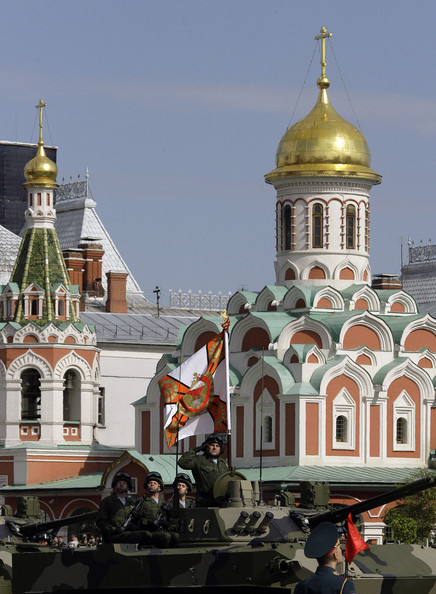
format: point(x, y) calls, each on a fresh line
point(34, 528)
point(339, 515)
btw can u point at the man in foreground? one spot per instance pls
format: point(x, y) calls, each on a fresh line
point(324, 545)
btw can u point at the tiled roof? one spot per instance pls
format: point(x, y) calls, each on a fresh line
point(40, 261)
point(77, 219)
point(9, 246)
point(334, 475)
point(137, 328)
point(165, 464)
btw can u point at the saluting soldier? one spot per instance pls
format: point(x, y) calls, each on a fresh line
point(324, 545)
point(206, 468)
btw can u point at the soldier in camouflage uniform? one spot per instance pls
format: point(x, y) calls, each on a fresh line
point(206, 468)
point(115, 512)
point(168, 517)
point(152, 502)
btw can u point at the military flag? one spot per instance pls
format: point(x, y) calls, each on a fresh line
point(354, 543)
point(196, 394)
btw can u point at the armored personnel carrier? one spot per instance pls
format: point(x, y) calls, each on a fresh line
point(240, 545)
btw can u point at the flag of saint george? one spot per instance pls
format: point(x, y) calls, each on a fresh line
point(354, 543)
point(196, 394)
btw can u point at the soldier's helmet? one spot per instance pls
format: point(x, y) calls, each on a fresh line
point(182, 477)
point(154, 476)
point(214, 438)
point(123, 476)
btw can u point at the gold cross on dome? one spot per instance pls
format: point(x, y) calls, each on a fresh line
point(323, 37)
point(40, 106)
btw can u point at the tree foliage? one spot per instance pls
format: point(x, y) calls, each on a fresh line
point(415, 517)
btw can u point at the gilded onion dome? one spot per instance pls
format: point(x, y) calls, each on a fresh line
point(41, 171)
point(323, 144)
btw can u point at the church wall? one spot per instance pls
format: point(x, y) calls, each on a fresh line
point(394, 390)
point(333, 389)
point(126, 371)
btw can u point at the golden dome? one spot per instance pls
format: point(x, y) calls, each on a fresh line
point(41, 171)
point(323, 144)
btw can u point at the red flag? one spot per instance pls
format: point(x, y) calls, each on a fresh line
point(354, 543)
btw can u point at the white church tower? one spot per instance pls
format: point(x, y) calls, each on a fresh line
point(323, 179)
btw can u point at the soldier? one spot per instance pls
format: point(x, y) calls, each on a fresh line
point(183, 485)
point(152, 502)
point(205, 468)
point(168, 517)
point(323, 545)
point(114, 514)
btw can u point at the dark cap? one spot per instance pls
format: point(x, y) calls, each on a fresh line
point(123, 476)
point(321, 541)
point(182, 477)
point(154, 476)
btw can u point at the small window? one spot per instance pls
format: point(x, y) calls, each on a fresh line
point(367, 229)
point(341, 429)
point(34, 307)
point(48, 199)
point(100, 413)
point(351, 227)
point(401, 434)
point(286, 222)
point(61, 307)
point(39, 199)
point(317, 226)
point(267, 427)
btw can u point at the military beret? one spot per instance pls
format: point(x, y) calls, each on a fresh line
point(321, 541)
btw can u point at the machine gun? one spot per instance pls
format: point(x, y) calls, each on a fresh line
point(341, 514)
point(30, 530)
point(134, 515)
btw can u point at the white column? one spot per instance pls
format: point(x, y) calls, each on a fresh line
point(52, 394)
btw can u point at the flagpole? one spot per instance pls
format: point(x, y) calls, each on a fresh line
point(261, 436)
point(228, 407)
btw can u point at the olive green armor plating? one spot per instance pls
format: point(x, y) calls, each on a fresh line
point(239, 545)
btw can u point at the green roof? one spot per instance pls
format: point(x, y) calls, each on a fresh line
point(40, 261)
point(334, 475)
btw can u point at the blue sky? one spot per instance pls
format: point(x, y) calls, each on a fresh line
point(177, 108)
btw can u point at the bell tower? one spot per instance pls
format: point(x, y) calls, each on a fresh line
point(49, 361)
point(322, 180)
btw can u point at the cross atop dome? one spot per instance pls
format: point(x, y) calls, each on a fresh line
point(40, 106)
point(323, 82)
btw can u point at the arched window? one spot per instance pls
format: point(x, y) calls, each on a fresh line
point(351, 227)
point(286, 223)
point(71, 396)
point(341, 428)
point(317, 226)
point(30, 395)
point(401, 430)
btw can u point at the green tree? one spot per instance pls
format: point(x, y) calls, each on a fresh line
point(415, 517)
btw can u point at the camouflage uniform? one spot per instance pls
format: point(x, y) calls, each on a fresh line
point(111, 517)
point(147, 516)
point(205, 473)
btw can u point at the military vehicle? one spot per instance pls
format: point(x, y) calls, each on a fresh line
point(240, 545)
